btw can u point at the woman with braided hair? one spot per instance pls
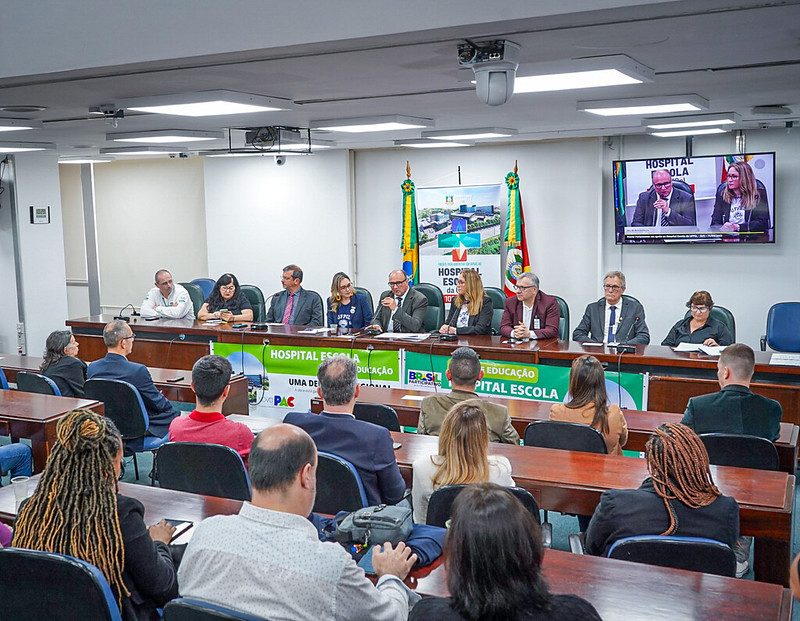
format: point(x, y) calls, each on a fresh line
point(76, 510)
point(679, 497)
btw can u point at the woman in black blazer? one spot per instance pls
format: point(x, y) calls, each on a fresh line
point(471, 310)
point(62, 365)
point(741, 204)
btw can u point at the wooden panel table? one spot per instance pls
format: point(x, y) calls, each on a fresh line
point(34, 416)
point(181, 390)
point(641, 424)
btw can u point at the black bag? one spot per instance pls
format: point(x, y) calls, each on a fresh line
point(376, 525)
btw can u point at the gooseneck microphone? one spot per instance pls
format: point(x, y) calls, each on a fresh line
point(626, 347)
point(122, 317)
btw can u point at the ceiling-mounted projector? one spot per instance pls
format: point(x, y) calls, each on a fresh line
point(495, 65)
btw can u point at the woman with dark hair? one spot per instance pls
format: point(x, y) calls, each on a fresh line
point(741, 203)
point(471, 309)
point(700, 327)
point(62, 365)
point(493, 557)
point(679, 497)
point(226, 302)
point(347, 308)
point(76, 510)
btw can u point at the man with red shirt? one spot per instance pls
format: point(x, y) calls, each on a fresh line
point(210, 381)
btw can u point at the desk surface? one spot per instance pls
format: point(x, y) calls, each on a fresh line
point(26, 406)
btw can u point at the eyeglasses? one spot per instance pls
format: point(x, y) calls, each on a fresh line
point(663, 185)
point(396, 283)
point(346, 287)
point(612, 287)
point(524, 287)
point(698, 309)
point(230, 287)
point(131, 337)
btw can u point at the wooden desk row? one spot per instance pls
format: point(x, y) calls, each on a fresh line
point(641, 424)
point(617, 589)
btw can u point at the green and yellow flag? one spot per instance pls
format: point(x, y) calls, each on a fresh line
point(409, 244)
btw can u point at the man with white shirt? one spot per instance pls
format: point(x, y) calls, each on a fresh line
point(614, 318)
point(268, 560)
point(167, 299)
point(664, 204)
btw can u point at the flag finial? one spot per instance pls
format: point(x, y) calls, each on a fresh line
point(516, 170)
point(408, 170)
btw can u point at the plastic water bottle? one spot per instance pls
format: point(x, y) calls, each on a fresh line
point(344, 327)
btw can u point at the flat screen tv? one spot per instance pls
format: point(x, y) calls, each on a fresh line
point(712, 199)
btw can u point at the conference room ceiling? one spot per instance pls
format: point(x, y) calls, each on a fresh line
point(736, 56)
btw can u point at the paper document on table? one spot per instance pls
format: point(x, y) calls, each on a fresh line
point(708, 350)
point(214, 322)
point(315, 331)
point(687, 347)
point(403, 336)
point(412, 397)
point(791, 360)
point(591, 344)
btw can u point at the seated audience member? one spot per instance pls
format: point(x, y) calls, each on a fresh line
point(268, 560)
point(493, 555)
point(335, 430)
point(294, 305)
point(463, 457)
point(613, 318)
point(167, 299)
point(401, 308)
point(794, 577)
point(226, 302)
point(700, 327)
point(664, 204)
point(62, 365)
point(16, 460)
point(531, 314)
point(76, 510)
point(464, 371)
point(679, 497)
point(741, 203)
point(346, 307)
point(119, 338)
point(210, 381)
point(5, 536)
point(735, 408)
point(471, 310)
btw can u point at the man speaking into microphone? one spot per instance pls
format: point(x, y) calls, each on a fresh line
point(614, 318)
point(664, 204)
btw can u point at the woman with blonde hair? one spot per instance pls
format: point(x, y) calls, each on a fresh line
point(347, 309)
point(463, 457)
point(471, 309)
point(741, 203)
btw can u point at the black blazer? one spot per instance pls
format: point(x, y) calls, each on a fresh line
point(477, 324)
point(69, 374)
point(734, 409)
point(756, 219)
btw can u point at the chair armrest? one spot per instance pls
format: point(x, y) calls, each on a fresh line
point(764, 343)
point(576, 542)
point(547, 535)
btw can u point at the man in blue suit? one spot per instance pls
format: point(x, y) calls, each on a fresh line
point(118, 338)
point(335, 430)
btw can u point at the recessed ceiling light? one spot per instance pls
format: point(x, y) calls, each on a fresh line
point(688, 132)
point(596, 72)
point(22, 109)
point(143, 150)
point(23, 147)
point(645, 105)
point(697, 120)
point(84, 159)
point(205, 103)
point(363, 124)
point(13, 125)
point(469, 134)
point(250, 153)
point(164, 136)
point(423, 143)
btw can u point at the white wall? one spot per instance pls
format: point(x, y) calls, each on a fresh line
point(74, 239)
point(8, 281)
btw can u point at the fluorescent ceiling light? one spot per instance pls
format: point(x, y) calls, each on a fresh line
point(84, 159)
point(697, 120)
point(164, 136)
point(24, 147)
point(383, 123)
point(612, 70)
point(144, 150)
point(205, 103)
point(427, 144)
point(249, 153)
point(470, 134)
point(645, 105)
point(14, 125)
point(688, 132)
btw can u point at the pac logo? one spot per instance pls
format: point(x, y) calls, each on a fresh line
point(424, 378)
point(283, 402)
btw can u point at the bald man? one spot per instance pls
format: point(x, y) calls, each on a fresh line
point(401, 309)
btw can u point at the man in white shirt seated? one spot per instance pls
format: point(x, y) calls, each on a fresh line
point(268, 561)
point(167, 299)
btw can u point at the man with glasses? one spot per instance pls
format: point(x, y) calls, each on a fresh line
point(294, 305)
point(532, 314)
point(167, 299)
point(119, 338)
point(614, 318)
point(401, 308)
point(664, 204)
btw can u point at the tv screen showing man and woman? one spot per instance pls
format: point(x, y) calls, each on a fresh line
point(708, 199)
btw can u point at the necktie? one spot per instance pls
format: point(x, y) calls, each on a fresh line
point(612, 323)
point(664, 220)
point(287, 312)
point(395, 323)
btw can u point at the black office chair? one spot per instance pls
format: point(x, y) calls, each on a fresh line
point(196, 294)
point(563, 321)
point(377, 414)
point(207, 469)
point(691, 553)
point(124, 406)
point(255, 296)
point(498, 298)
point(434, 317)
point(37, 585)
point(366, 294)
point(565, 436)
point(339, 486)
point(187, 609)
point(727, 449)
point(35, 382)
point(3, 381)
point(723, 315)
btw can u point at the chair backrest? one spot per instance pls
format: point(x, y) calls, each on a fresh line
point(724, 316)
point(497, 319)
point(339, 486)
point(739, 451)
point(35, 382)
point(377, 414)
point(497, 296)
point(255, 296)
point(37, 585)
point(783, 326)
point(564, 436)
point(441, 503)
point(693, 553)
point(366, 294)
point(196, 294)
point(3, 381)
point(123, 405)
point(434, 317)
point(208, 469)
point(563, 322)
point(206, 285)
point(187, 609)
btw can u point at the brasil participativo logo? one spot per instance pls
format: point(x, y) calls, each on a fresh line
point(424, 378)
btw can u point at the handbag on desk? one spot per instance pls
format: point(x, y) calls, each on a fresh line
point(376, 525)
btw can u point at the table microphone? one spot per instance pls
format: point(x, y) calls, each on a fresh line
point(626, 347)
point(122, 317)
point(264, 327)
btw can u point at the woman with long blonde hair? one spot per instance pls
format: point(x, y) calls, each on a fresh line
point(347, 309)
point(471, 309)
point(463, 457)
point(741, 204)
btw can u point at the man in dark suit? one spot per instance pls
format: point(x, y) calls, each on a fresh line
point(294, 305)
point(664, 204)
point(335, 430)
point(531, 314)
point(118, 338)
point(402, 305)
point(614, 318)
